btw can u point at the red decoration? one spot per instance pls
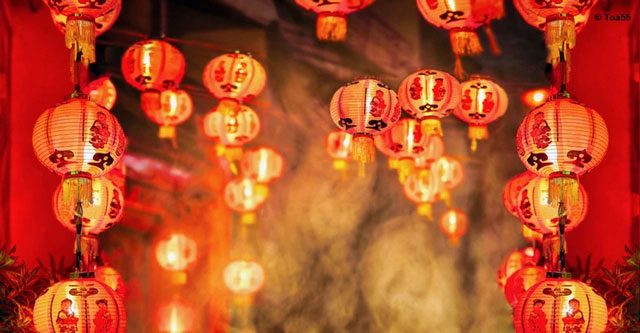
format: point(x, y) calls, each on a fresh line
point(172, 107)
point(483, 101)
point(332, 16)
point(338, 145)
point(520, 281)
point(454, 224)
point(177, 252)
point(263, 164)
point(102, 92)
point(176, 317)
point(514, 261)
point(422, 188)
point(151, 66)
point(511, 192)
point(232, 131)
point(244, 277)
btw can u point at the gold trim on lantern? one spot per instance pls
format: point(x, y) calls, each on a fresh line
point(228, 106)
point(477, 132)
point(248, 218)
point(424, 209)
point(76, 187)
point(167, 132)
point(393, 163)
point(80, 36)
point(363, 151)
point(431, 126)
point(406, 166)
point(465, 42)
point(445, 196)
point(340, 165)
point(559, 30)
point(563, 187)
point(331, 27)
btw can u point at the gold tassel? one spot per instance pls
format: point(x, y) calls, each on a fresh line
point(563, 187)
point(493, 41)
point(431, 126)
point(405, 168)
point(340, 165)
point(556, 33)
point(80, 35)
point(465, 42)
point(445, 196)
point(458, 70)
point(331, 27)
point(393, 163)
point(76, 187)
point(262, 190)
point(228, 107)
point(363, 151)
point(424, 209)
point(248, 218)
point(477, 132)
point(167, 132)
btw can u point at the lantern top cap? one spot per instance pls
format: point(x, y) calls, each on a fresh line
point(481, 77)
point(82, 275)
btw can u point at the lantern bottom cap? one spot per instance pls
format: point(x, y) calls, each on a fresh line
point(331, 27)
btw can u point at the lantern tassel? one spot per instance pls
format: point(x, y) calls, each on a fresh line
point(228, 107)
point(80, 35)
point(167, 132)
point(431, 126)
point(363, 151)
point(563, 188)
point(405, 168)
point(76, 187)
point(477, 132)
point(331, 27)
point(248, 218)
point(445, 196)
point(558, 34)
point(425, 210)
point(493, 41)
point(458, 70)
point(465, 42)
point(392, 163)
point(340, 164)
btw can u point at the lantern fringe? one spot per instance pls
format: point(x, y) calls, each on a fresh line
point(425, 210)
point(465, 42)
point(80, 36)
point(557, 34)
point(477, 132)
point(445, 196)
point(363, 151)
point(248, 218)
point(228, 106)
point(331, 27)
point(406, 166)
point(392, 163)
point(431, 126)
point(458, 70)
point(340, 165)
point(493, 41)
point(167, 132)
point(77, 188)
point(565, 188)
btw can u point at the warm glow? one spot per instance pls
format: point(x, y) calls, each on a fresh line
point(244, 277)
point(176, 317)
point(262, 164)
point(454, 224)
point(176, 253)
point(535, 97)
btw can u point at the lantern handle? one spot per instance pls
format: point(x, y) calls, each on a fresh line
point(77, 69)
point(564, 56)
point(78, 222)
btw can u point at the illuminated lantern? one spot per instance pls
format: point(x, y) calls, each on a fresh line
point(102, 23)
point(332, 16)
point(234, 78)
point(102, 92)
point(78, 140)
point(263, 164)
point(429, 95)
point(562, 139)
point(80, 23)
point(511, 192)
point(176, 253)
point(232, 131)
point(422, 188)
point(451, 174)
point(244, 195)
point(364, 108)
point(244, 277)
point(174, 109)
point(454, 224)
point(100, 213)
point(514, 261)
point(109, 276)
point(176, 317)
point(535, 97)
point(520, 281)
point(560, 305)
point(530, 235)
point(338, 145)
point(83, 305)
point(540, 215)
point(483, 101)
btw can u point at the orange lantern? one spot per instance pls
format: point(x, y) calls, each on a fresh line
point(83, 305)
point(451, 174)
point(514, 261)
point(332, 16)
point(520, 281)
point(244, 277)
point(364, 108)
point(422, 188)
point(175, 108)
point(263, 164)
point(454, 224)
point(100, 213)
point(541, 215)
point(244, 195)
point(80, 23)
point(78, 140)
point(177, 252)
point(110, 276)
point(338, 145)
point(102, 23)
point(176, 317)
point(560, 305)
point(102, 92)
point(429, 95)
point(483, 101)
point(562, 139)
point(232, 131)
point(511, 192)
point(234, 78)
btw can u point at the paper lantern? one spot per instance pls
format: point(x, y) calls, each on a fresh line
point(232, 130)
point(332, 16)
point(78, 140)
point(102, 92)
point(514, 261)
point(245, 195)
point(100, 213)
point(338, 144)
point(511, 191)
point(364, 108)
point(177, 252)
point(80, 21)
point(83, 305)
point(244, 277)
point(176, 317)
point(562, 139)
point(520, 281)
point(234, 78)
point(174, 108)
point(454, 224)
point(537, 212)
point(422, 188)
point(264, 165)
point(483, 101)
point(102, 23)
point(560, 305)
point(429, 95)
point(451, 174)
point(110, 276)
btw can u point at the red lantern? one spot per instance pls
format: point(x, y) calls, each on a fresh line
point(176, 317)
point(515, 261)
point(365, 108)
point(102, 92)
point(541, 215)
point(483, 101)
point(232, 131)
point(520, 281)
point(234, 78)
point(422, 188)
point(451, 174)
point(176, 253)
point(454, 224)
point(263, 164)
point(244, 277)
point(245, 195)
point(332, 16)
point(174, 108)
point(78, 140)
point(103, 22)
point(562, 139)
point(511, 192)
point(429, 95)
point(83, 305)
point(338, 145)
point(110, 276)
point(560, 305)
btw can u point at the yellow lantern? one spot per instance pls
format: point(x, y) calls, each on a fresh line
point(244, 277)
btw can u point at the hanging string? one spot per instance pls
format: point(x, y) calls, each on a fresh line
point(562, 216)
point(78, 221)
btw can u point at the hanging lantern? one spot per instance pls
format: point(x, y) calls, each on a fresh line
point(511, 192)
point(433, 150)
point(514, 261)
point(429, 95)
point(451, 174)
point(454, 224)
point(263, 164)
point(102, 23)
point(175, 108)
point(100, 213)
point(560, 305)
point(561, 140)
point(338, 145)
point(102, 92)
point(245, 195)
point(232, 131)
point(80, 23)
point(364, 108)
point(520, 281)
point(244, 277)
point(176, 317)
point(83, 305)
point(176, 253)
point(78, 140)
point(541, 215)
point(332, 16)
point(234, 78)
point(110, 276)
point(483, 101)
point(422, 188)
